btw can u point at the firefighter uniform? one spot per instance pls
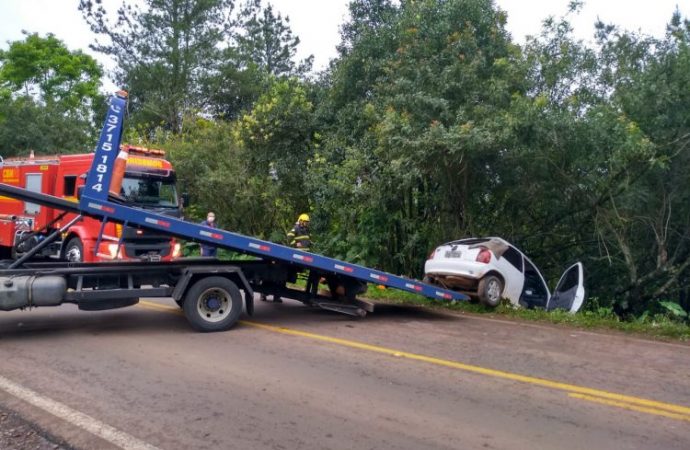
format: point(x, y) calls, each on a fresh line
point(299, 237)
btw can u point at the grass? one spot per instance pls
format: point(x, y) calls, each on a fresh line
point(659, 326)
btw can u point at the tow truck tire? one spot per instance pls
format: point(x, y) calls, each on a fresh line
point(213, 304)
point(75, 248)
point(490, 290)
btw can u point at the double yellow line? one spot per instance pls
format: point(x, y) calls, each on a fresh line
point(663, 409)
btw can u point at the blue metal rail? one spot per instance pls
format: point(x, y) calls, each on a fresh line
point(94, 202)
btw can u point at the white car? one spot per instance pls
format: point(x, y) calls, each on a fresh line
point(490, 269)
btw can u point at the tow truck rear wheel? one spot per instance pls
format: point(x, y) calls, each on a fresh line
point(74, 250)
point(213, 304)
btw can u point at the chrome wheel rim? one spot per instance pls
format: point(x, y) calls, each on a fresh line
point(493, 290)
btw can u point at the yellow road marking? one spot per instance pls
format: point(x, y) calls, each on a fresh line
point(657, 412)
point(158, 307)
point(611, 398)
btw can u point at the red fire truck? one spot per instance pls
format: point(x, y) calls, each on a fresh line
point(149, 183)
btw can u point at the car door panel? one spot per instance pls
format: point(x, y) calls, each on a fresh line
point(570, 291)
point(511, 267)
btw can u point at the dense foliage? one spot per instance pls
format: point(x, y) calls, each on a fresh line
point(47, 96)
point(430, 124)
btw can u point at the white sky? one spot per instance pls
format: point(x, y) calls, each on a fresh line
point(317, 22)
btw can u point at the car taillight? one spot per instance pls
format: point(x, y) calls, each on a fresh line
point(484, 255)
point(118, 230)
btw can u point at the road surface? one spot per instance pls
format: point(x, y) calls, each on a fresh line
point(292, 377)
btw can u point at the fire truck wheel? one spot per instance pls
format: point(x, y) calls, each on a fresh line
point(74, 250)
point(213, 304)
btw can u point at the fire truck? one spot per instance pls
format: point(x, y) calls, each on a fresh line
point(148, 183)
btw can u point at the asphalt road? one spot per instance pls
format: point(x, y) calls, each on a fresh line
point(292, 377)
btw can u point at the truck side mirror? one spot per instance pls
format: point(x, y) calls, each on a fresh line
point(185, 199)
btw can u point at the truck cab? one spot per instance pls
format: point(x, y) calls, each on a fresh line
point(148, 183)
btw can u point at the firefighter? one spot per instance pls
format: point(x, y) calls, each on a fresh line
point(298, 237)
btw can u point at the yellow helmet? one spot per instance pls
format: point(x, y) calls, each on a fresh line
point(303, 218)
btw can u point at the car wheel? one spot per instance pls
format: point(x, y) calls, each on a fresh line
point(490, 290)
point(74, 250)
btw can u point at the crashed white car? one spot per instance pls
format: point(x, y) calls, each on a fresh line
point(489, 269)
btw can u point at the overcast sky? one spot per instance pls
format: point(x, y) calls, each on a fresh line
point(317, 22)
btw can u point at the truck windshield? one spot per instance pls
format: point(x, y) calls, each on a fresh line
point(144, 191)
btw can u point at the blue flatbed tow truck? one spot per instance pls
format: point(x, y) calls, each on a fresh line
point(209, 291)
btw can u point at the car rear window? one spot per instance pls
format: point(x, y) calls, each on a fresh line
point(513, 257)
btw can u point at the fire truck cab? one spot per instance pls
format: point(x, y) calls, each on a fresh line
point(148, 183)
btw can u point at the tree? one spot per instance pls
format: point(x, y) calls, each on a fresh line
point(595, 169)
point(278, 137)
point(48, 129)
point(366, 18)
point(49, 94)
point(236, 86)
point(43, 68)
point(165, 52)
point(265, 40)
point(263, 48)
point(419, 97)
point(648, 224)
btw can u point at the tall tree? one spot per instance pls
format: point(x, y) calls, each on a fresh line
point(266, 40)
point(263, 47)
point(165, 52)
point(419, 95)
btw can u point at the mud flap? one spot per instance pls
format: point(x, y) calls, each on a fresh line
point(249, 302)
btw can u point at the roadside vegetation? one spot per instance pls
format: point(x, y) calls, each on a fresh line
point(661, 325)
point(431, 124)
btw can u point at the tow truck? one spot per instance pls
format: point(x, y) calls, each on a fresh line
point(211, 293)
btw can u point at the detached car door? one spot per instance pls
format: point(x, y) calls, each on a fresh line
point(570, 290)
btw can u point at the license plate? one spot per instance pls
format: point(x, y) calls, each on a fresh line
point(453, 254)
